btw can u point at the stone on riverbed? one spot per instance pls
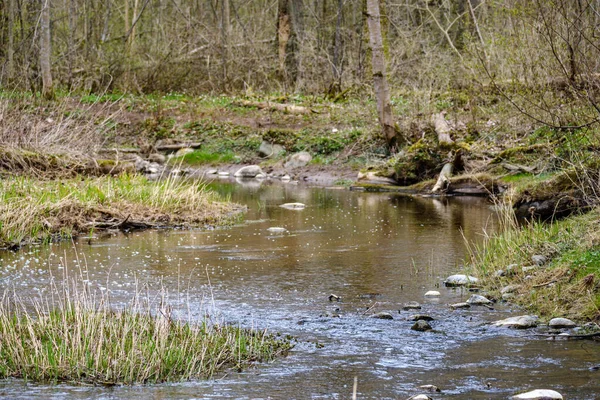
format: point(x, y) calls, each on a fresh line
point(430, 388)
point(457, 306)
point(539, 394)
point(520, 322)
point(411, 305)
point(382, 315)
point(478, 300)
point(460, 280)
point(421, 326)
point(419, 397)
point(250, 171)
point(276, 229)
point(420, 317)
point(432, 293)
point(557, 323)
point(293, 206)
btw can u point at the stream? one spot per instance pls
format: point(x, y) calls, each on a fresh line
point(376, 251)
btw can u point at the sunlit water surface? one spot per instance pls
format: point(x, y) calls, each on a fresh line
point(374, 250)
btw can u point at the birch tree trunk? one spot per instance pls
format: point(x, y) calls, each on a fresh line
point(45, 51)
point(380, 84)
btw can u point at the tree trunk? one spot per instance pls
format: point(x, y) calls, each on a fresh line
point(380, 84)
point(45, 51)
point(336, 66)
point(284, 30)
point(11, 39)
point(225, 37)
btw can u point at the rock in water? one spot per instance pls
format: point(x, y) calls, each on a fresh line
point(520, 322)
point(411, 305)
point(419, 397)
point(430, 388)
point(539, 394)
point(557, 323)
point(293, 206)
point(421, 326)
point(382, 315)
point(250, 171)
point(460, 280)
point(298, 160)
point(478, 300)
point(420, 317)
point(276, 229)
point(457, 306)
point(432, 293)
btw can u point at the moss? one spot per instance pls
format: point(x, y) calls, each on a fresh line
point(419, 161)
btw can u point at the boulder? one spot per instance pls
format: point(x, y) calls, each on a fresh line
point(268, 150)
point(421, 326)
point(539, 394)
point(249, 171)
point(293, 206)
point(420, 317)
point(382, 315)
point(432, 293)
point(520, 322)
point(298, 160)
point(557, 323)
point(460, 280)
point(411, 305)
point(478, 300)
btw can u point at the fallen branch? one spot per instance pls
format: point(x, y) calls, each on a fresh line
point(288, 108)
point(442, 128)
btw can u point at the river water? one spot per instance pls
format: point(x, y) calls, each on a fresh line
point(374, 250)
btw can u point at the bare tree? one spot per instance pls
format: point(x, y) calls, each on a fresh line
point(45, 51)
point(380, 83)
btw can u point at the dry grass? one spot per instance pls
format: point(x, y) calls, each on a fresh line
point(34, 210)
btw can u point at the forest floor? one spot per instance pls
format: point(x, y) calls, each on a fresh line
point(540, 172)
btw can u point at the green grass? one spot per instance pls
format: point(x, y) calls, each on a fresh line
point(37, 210)
point(201, 157)
point(73, 335)
point(567, 285)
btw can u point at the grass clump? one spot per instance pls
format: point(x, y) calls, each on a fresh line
point(33, 210)
point(75, 336)
point(568, 284)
